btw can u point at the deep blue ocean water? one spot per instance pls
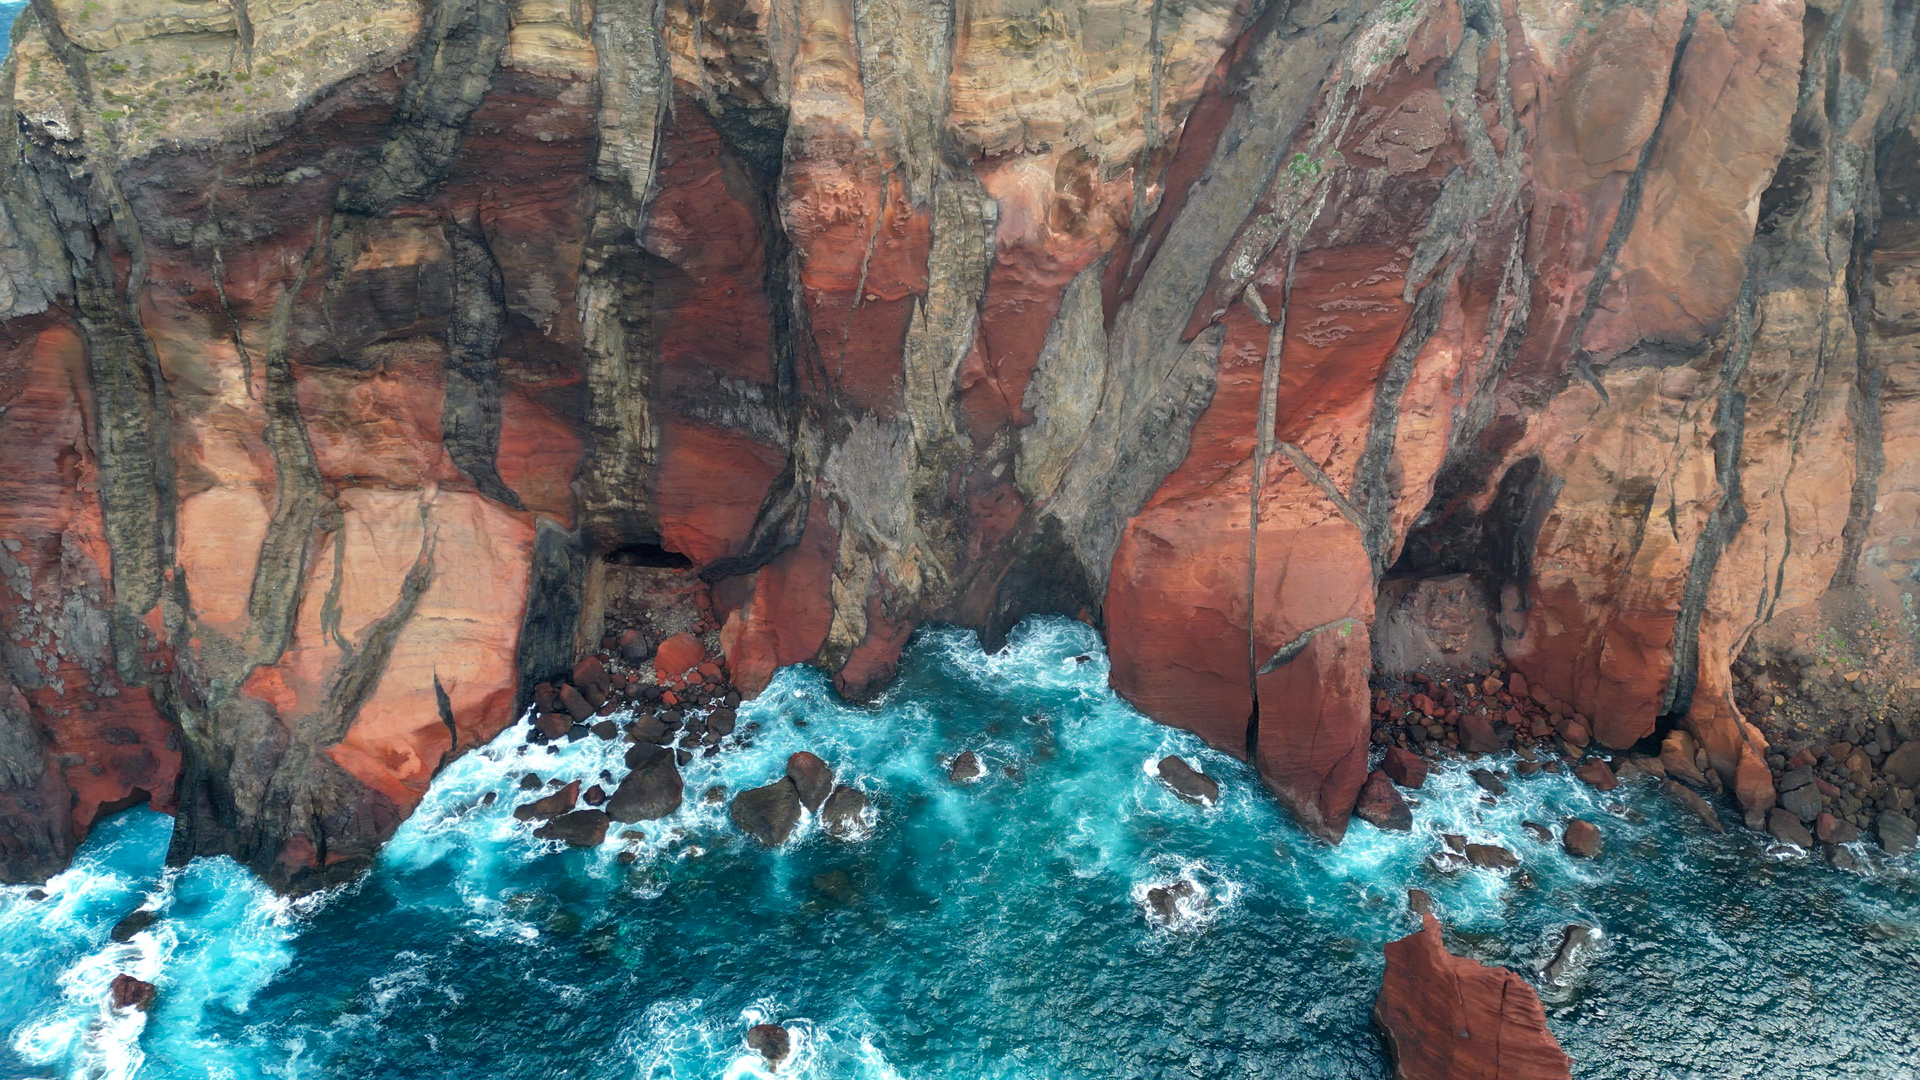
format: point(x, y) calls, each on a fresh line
point(990, 931)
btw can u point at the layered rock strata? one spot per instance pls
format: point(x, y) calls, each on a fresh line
point(367, 363)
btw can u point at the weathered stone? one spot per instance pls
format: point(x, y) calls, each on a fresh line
point(1787, 828)
point(768, 814)
point(581, 828)
point(966, 768)
point(1691, 801)
point(653, 787)
point(1491, 857)
point(1448, 1018)
point(1897, 832)
point(812, 777)
point(1488, 782)
point(1581, 838)
point(1381, 805)
point(550, 806)
point(1188, 782)
point(127, 992)
point(770, 1041)
point(844, 814)
point(1598, 774)
point(1405, 767)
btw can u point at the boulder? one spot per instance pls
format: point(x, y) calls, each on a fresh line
point(1446, 1017)
point(575, 703)
point(1598, 774)
point(1540, 833)
point(1787, 828)
point(1800, 794)
point(127, 992)
point(1381, 806)
point(594, 796)
point(1581, 838)
point(530, 782)
point(844, 813)
point(812, 777)
point(551, 806)
point(553, 725)
point(1420, 902)
point(134, 922)
point(1405, 767)
point(721, 721)
point(581, 828)
point(1691, 801)
point(1488, 781)
point(1188, 782)
point(1896, 832)
point(770, 1041)
point(605, 729)
point(649, 729)
point(1677, 753)
point(1491, 857)
point(676, 656)
point(966, 768)
point(634, 647)
point(590, 675)
point(1903, 765)
point(1477, 735)
point(768, 814)
point(653, 788)
point(1832, 830)
point(1163, 903)
point(1574, 941)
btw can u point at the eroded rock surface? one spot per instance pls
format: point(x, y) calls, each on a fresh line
point(1447, 1017)
point(354, 383)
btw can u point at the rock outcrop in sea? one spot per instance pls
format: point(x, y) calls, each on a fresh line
point(1447, 1017)
point(366, 365)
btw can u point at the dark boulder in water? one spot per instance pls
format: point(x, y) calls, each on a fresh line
point(553, 725)
point(1488, 782)
point(768, 814)
point(1188, 782)
point(1581, 838)
point(1477, 735)
point(550, 807)
point(1446, 1017)
point(653, 789)
point(1540, 833)
point(575, 704)
point(771, 1041)
point(812, 777)
point(1491, 857)
point(721, 722)
point(1573, 942)
point(1381, 805)
point(1897, 832)
point(129, 992)
point(1786, 828)
point(133, 923)
point(581, 828)
point(1599, 774)
point(966, 768)
point(605, 729)
point(845, 812)
point(1692, 801)
point(1163, 904)
point(649, 729)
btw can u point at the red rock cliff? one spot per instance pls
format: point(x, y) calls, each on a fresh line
point(352, 351)
point(1446, 1017)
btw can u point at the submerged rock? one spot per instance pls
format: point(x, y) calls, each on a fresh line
point(1381, 805)
point(1691, 801)
point(1446, 1017)
point(1174, 906)
point(844, 814)
point(768, 814)
point(812, 777)
point(133, 923)
point(771, 1041)
point(1539, 832)
point(1188, 782)
point(581, 828)
point(653, 789)
point(966, 768)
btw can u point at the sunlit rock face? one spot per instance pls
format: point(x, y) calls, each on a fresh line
point(352, 348)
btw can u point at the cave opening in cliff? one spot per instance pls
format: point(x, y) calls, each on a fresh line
point(648, 556)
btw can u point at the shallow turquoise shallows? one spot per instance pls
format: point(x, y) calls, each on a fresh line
point(995, 930)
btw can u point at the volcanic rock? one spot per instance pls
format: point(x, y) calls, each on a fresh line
point(844, 814)
point(1188, 782)
point(1800, 794)
point(676, 656)
point(1405, 767)
point(1597, 774)
point(1381, 805)
point(128, 992)
point(590, 675)
point(1832, 830)
point(1574, 941)
point(1897, 832)
point(1903, 765)
point(768, 814)
point(134, 922)
point(649, 729)
point(553, 725)
point(1581, 838)
point(1540, 833)
point(966, 768)
point(581, 828)
point(1446, 1017)
point(1691, 801)
point(1488, 782)
point(551, 806)
point(771, 1041)
point(811, 777)
point(634, 647)
point(575, 703)
point(1477, 735)
point(653, 788)
point(1491, 857)
point(1787, 828)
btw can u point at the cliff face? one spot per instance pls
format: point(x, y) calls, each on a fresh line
point(356, 352)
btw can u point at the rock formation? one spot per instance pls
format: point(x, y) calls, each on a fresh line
point(364, 364)
point(1446, 1017)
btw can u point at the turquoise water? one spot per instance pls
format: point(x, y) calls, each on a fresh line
point(988, 931)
